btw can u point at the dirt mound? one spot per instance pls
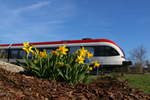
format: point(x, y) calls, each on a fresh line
point(15, 86)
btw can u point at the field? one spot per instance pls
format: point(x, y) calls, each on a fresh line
point(139, 81)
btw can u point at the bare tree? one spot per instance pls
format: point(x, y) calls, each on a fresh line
point(138, 57)
point(148, 65)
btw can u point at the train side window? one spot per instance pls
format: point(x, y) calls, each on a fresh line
point(3, 53)
point(40, 49)
point(22, 53)
point(73, 49)
point(48, 50)
point(14, 53)
point(90, 49)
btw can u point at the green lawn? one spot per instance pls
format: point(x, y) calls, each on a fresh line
point(140, 81)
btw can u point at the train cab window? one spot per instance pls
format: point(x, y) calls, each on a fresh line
point(99, 51)
point(109, 51)
point(105, 51)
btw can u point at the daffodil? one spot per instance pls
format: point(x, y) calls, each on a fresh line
point(80, 59)
point(43, 54)
point(82, 52)
point(55, 53)
point(89, 54)
point(28, 48)
point(62, 50)
point(96, 64)
point(26, 44)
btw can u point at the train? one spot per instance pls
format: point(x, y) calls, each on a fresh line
point(105, 51)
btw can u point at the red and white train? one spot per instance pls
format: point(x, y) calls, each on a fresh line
point(107, 52)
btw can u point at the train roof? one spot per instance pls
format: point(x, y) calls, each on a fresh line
point(62, 42)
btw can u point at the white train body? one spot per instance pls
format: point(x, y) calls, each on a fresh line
point(105, 51)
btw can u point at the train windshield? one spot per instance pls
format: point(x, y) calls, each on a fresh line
point(105, 51)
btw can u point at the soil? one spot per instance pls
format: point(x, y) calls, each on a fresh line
point(16, 86)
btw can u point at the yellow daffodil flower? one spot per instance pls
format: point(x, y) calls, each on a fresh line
point(80, 59)
point(96, 64)
point(26, 44)
point(62, 50)
point(28, 48)
point(83, 51)
point(43, 54)
point(55, 53)
point(83, 54)
point(89, 54)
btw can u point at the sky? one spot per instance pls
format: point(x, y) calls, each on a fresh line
point(126, 22)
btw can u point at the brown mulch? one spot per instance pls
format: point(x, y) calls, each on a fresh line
point(15, 86)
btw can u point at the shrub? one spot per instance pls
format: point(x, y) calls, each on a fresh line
point(58, 64)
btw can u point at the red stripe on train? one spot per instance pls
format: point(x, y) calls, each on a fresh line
point(64, 42)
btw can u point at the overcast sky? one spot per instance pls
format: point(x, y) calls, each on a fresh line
point(126, 22)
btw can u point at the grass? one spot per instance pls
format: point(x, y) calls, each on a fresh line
point(139, 81)
point(91, 78)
